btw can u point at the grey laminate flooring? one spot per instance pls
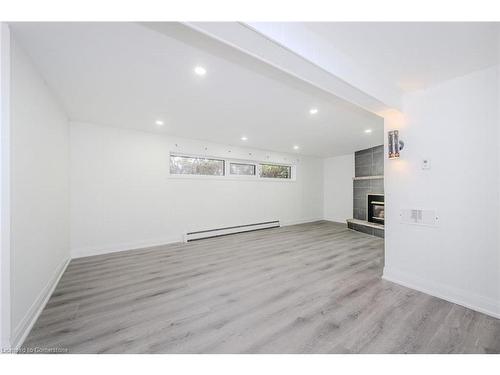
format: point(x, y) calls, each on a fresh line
point(311, 288)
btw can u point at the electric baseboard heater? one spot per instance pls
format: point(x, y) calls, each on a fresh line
point(209, 233)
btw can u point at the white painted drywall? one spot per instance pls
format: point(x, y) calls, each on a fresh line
point(338, 189)
point(4, 185)
point(39, 192)
point(332, 71)
point(122, 196)
point(455, 124)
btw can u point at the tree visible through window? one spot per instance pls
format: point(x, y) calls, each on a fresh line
point(275, 171)
point(196, 166)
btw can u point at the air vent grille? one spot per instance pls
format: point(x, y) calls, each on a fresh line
point(417, 216)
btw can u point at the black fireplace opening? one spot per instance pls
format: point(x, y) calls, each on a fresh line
point(376, 208)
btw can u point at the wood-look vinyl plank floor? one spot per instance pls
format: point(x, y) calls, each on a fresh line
point(309, 288)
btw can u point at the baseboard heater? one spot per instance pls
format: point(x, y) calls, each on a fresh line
point(202, 234)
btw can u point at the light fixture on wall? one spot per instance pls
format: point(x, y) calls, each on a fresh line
point(395, 145)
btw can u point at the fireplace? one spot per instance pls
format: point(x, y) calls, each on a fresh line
point(375, 212)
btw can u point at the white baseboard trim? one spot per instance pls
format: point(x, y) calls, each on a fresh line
point(108, 249)
point(297, 222)
point(24, 327)
point(336, 220)
point(460, 297)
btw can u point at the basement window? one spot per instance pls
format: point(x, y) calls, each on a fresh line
point(242, 169)
point(275, 171)
point(187, 165)
point(201, 166)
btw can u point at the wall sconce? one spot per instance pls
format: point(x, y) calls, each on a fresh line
point(395, 145)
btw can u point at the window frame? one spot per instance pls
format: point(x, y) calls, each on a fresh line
point(227, 172)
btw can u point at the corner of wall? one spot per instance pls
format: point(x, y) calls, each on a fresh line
point(458, 296)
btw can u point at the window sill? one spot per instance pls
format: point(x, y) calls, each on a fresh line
point(230, 178)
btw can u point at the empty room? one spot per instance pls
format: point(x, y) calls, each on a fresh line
point(250, 188)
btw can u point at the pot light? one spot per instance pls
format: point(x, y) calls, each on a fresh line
point(159, 122)
point(368, 131)
point(201, 71)
point(313, 111)
point(295, 147)
point(244, 138)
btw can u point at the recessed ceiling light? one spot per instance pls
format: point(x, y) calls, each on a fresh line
point(159, 122)
point(368, 131)
point(201, 71)
point(244, 138)
point(295, 147)
point(313, 111)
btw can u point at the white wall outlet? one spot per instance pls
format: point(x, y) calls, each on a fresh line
point(426, 163)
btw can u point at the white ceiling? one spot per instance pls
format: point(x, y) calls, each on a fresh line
point(129, 75)
point(414, 55)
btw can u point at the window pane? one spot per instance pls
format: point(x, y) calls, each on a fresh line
point(275, 171)
point(242, 169)
point(198, 166)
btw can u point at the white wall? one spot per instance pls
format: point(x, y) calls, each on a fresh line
point(498, 176)
point(338, 189)
point(123, 198)
point(4, 185)
point(39, 192)
point(456, 125)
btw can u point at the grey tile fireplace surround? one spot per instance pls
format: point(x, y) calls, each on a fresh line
point(367, 163)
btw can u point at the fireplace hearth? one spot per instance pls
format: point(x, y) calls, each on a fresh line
point(376, 208)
